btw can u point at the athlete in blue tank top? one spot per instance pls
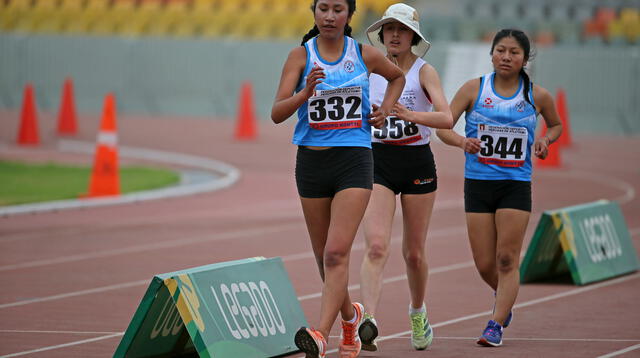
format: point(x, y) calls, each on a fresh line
point(499, 142)
point(326, 81)
point(337, 114)
point(506, 127)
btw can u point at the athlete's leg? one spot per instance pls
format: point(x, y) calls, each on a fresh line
point(416, 214)
point(347, 209)
point(378, 221)
point(511, 226)
point(317, 213)
point(482, 239)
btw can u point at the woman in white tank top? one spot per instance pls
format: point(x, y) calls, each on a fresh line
point(403, 164)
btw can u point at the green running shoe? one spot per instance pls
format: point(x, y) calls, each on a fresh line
point(421, 332)
point(368, 332)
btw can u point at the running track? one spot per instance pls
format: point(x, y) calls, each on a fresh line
point(73, 279)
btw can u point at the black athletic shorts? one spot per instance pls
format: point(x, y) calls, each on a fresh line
point(487, 196)
point(323, 173)
point(408, 169)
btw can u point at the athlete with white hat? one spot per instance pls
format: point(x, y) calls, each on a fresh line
point(403, 164)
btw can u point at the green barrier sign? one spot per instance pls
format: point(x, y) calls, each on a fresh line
point(244, 308)
point(590, 242)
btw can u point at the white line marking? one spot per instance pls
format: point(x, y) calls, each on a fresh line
point(622, 351)
point(228, 176)
point(231, 235)
point(77, 293)
point(441, 324)
point(573, 292)
point(530, 339)
point(151, 246)
point(628, 189)
point(53, 332)
point(43, 349)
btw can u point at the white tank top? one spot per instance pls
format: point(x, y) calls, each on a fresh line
point(414, 97)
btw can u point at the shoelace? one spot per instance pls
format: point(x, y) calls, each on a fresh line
point(348, 333)
point(417, 324)
point(492, 332)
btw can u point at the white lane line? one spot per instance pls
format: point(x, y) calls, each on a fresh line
point(76, 293)
point(441, 324)
point(628, 189)
point(622, 351)
point(228, 176)
point(54, 332)
point(57, 346)
point(573, 292)
point(286, 258)
point(152, 246)
point(435, 270)
point(531, 339)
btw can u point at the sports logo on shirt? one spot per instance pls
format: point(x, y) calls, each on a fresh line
point(349, 66)
point(488, 103)
point(520, 106)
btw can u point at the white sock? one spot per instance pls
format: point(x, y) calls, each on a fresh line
point(417, 310)
point(353, 320)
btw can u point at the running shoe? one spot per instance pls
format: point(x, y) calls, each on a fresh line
point(311, 342)
point(421, 331)
point(368, 332)
point(492, 335)
point(350, 344)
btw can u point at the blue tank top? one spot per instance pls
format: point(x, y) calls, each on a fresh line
point(338, 112)
point(506, 128)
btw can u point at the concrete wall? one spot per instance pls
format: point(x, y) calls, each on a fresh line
point(203, 77)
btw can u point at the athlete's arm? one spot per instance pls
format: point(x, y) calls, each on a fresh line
point(462, 102)
point(286, 102)
point(441, 116)
point(546, 107)
point(377, 63)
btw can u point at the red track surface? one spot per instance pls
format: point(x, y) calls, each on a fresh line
point(73, 279)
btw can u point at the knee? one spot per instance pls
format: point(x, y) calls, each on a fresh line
point(378, 252)
point(506, 262)
point(414, 259)
point(335, 258)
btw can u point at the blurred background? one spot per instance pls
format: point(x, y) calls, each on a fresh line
point(190, 57)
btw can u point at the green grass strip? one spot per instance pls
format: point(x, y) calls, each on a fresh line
point(22, 183)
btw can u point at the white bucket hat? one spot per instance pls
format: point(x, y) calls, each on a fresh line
point(406, 15)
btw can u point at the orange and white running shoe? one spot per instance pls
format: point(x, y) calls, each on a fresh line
point(311, 342)
point(350, 344)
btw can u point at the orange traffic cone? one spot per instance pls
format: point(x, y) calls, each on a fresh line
point(28, 133)
point(246, 128)
point(561, 106)
point(67, 114)
point(104, 177)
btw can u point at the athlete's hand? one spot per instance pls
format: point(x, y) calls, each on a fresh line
point(315, 76)
point(541, 147)
point(377, 116)
point(401, 111)
point(470, 145)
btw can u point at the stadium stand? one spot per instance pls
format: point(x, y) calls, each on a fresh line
point(549, 22)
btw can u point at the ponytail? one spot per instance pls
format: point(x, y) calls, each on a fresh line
point(348, 30)
point(311, 34)
point(527, 85)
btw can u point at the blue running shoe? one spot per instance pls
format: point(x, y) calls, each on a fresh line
point(492, 335)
